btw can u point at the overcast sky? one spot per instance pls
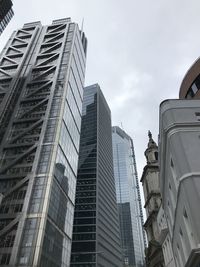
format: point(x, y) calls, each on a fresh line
point(138, 52)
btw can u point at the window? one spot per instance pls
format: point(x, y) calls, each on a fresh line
point(180, 231)
point(171, 163)
point(197, 115)
point(185, 214)
point(4, 259)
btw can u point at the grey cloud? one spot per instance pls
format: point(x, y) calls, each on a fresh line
point(138, 51)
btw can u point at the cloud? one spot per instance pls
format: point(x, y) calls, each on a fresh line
point(131, 84)
point(138, 51)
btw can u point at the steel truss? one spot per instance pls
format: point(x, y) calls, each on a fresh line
point(26, 84)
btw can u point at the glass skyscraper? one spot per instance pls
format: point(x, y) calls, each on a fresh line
point(41, 91)
point(128, 199)
point(96, 238)
point(6, 13)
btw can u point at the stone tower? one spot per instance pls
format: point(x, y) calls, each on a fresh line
point(150, 183)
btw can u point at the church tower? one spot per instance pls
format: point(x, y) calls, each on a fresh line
point(152, 195)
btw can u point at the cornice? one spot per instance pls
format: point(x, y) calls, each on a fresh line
point(148, 167)
point(152, 193)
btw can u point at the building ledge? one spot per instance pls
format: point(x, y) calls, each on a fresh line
point(194, 258)
point(163, 235)
point(151, 216)
point(151, 167)
point(152, 193)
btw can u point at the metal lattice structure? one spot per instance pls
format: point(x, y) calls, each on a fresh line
point(6, 13)
point(33, 77)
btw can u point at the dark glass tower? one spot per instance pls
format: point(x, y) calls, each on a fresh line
point(96, 239)
point(41, 89)
point(6, 13)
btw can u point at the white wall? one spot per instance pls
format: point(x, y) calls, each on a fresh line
point(180, 174)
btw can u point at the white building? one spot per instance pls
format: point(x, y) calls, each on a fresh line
point(179, 148)
point(165, 239)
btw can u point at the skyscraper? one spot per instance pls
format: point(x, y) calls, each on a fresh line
point(128, 199)
point(96, 241)
point(41, 87)
point(6, 13)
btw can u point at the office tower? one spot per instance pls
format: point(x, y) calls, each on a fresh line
point(41, 86)
point(6, 13)
point(128, 199)
point(179, 149)
point(96, 241)
point(191, 82)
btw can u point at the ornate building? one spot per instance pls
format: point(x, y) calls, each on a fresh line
point(150, 182)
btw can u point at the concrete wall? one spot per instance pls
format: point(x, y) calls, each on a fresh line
point(179, 175)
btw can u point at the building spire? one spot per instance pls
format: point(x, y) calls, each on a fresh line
point(152, 150)
point(151, 143)
point(150, 135)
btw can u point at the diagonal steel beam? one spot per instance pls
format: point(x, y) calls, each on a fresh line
point(52, 47)
point(49, 70)
point(36, 124)
point(10, 225)
point(15, 49)
point(59, 27)
point(20, 40)
point(34, 107)
point(40, 88)
point(13, 162)
point(56, 38)
point(9, 59)
point(46, 61)
point(18, 185)
point(4, 72)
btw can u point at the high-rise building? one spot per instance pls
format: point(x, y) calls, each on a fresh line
point(96, 241)
point(191, 82)
point(41, 89)
point(179, 148)
point(6, 13)
point(128, 199)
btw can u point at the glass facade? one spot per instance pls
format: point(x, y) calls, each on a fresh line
point(96, 239)
point(40, 145)
point(194, 88)
point(6, 13)
point(128, 199)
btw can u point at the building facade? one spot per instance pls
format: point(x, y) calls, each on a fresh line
point(179, 177)
point(191, 82)
point(6, 13)
point(96, 241)
point(41, 90)
point(165, 239)
point(152, 195)
point(128, 199)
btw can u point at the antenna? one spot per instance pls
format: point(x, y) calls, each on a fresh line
point(122, 126)
point(82, 25)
